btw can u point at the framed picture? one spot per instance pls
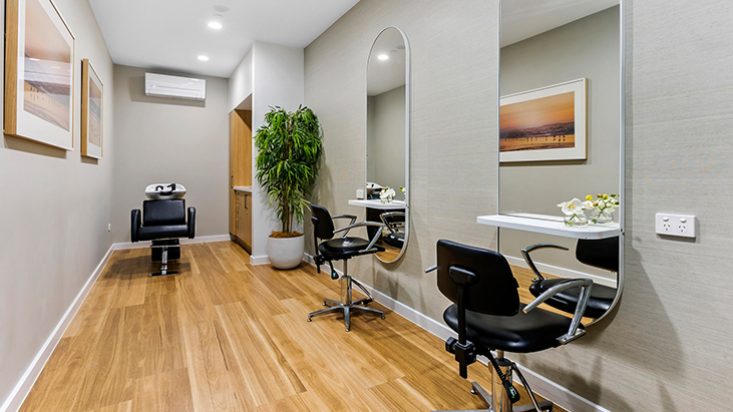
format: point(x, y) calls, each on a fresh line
point(39, 73)
point(91, 111)
point(544, 124)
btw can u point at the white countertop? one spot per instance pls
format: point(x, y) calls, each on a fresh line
point(246, 189)
point(550, 225)
point(377, 204)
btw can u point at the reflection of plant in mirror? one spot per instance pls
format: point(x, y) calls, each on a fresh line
point(404, 192)
point(387, 195)
point(574, 211)
point(602, 207)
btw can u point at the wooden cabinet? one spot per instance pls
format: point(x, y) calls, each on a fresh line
point(240, 175)
point(243, 219)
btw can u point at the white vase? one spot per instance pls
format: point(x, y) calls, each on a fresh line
point(285, 252)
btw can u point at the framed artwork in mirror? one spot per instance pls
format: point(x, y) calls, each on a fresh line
point(91, 111)
point(39, 73)
point(545, 124)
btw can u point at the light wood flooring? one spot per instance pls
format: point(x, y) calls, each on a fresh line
point(225, 335)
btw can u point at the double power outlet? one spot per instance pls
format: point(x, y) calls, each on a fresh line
point(669, 224)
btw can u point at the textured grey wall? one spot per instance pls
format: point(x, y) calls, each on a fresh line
point(668, 346)
point(54, 209)
point(588, 48)
point(164, 140)
point(386, 139)
point(454, 91)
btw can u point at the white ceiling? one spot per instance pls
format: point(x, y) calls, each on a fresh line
point(522, 19)
point(384, 75)
point(170, 34)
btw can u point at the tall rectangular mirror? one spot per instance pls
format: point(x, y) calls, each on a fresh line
point(561, 138)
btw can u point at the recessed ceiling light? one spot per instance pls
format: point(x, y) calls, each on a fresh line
point(203, 58)
point(383, 57)
point(215, 25)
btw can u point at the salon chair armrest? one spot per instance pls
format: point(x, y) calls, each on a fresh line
point(352, 219)
point(585, 285)
point(364, 224)
point(529, 249)
point(191, 222)
point(135, 223)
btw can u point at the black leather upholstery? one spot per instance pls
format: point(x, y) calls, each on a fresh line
point(343, 248)
point(601, 253)
point(480, 283)
point(494, 290)
point(322, 222)
point(163, 219)
point(522, 333)
point(164, 212)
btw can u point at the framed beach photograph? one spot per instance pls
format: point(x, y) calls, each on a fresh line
point(545, 124)
point(91, 111)
point(39, 73)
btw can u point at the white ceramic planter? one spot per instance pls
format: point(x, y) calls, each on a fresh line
point(287, 252)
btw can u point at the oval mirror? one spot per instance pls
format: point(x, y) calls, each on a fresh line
point(388, 141)
point(561, 141)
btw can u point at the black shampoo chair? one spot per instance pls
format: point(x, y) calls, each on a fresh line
point(600, 253)
point(164, 221)
point(330, 248)
point(487, 316)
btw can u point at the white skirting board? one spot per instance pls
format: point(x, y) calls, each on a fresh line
point(25, 383)
point(259, 260)
point(548, 389)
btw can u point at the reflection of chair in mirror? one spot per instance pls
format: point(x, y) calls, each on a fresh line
point(342, 248)
point(395, 224)
point(600, 253)
point(488, 316)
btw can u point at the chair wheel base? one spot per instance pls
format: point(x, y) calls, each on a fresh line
point(346, 309)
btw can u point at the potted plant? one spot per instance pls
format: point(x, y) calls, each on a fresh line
point(289, 150)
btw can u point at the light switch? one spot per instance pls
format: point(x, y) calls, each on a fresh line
point(360, 194)
point(671, 224)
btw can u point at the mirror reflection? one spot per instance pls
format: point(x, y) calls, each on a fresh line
point(560, 145)
point(387, 141)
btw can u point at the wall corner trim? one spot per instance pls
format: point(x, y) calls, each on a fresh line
point(24, 385)
point(558, 394)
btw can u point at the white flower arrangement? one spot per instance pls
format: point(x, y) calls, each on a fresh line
point(387, 195)
point(600, 208)
point(574, 211)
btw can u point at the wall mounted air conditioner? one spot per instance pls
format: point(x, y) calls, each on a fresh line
point(162, 85)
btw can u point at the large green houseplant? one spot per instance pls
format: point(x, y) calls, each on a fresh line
point(288, 154)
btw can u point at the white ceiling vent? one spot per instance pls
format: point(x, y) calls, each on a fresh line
point(162, 85)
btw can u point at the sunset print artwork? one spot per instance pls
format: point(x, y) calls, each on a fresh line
point(39, 58)
point(544, 124)
point(91, 111)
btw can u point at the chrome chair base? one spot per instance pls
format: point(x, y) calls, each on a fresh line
point(349, 306)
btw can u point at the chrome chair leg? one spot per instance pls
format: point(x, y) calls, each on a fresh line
point(348, 306)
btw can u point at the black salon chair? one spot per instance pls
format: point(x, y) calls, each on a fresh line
point(487, 316)
point(164, 222)
point(330, 248)
point(600, 253)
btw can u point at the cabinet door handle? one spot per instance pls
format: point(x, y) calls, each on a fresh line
point(245, 202)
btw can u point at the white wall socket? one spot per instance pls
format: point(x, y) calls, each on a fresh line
point(670, 224)
point(360, 193)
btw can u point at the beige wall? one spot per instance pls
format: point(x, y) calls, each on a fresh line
point(54, 209)
point(447, 137)
point(587, 48)
point(668, 345)
point(164, 140)
point(386, 139)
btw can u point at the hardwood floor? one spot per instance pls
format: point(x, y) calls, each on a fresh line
point(225, 335)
